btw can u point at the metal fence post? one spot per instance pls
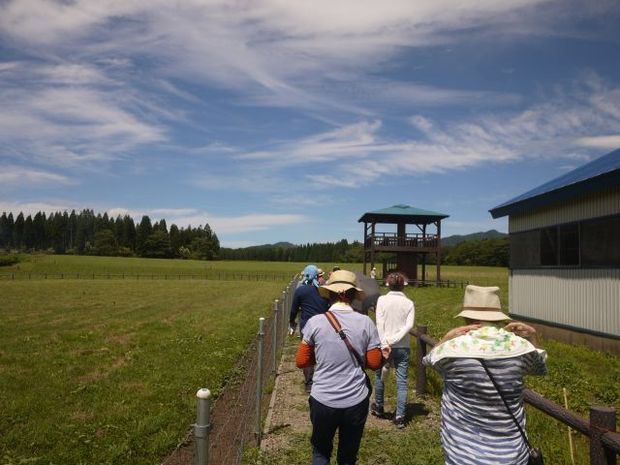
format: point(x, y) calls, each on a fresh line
point(259, 379)
point(201, 428)
point(285, 316)
point(274, 336)
point(602, 419)
point(420, 370)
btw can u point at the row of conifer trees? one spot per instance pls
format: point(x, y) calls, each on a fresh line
point(99, 234)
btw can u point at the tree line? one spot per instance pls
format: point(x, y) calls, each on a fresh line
point(87, 233)
point(481, 252)
point(334, 252)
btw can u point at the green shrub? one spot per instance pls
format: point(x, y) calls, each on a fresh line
point(8, 260)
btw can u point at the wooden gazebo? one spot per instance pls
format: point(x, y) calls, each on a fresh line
point(410, 248)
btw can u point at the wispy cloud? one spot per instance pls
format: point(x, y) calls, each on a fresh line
point(240, 224)
point(93, 105)
point(601, 142)
point(354, 154)
point(11, 175)
point(69, 116)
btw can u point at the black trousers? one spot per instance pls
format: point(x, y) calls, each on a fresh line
point(326, 420)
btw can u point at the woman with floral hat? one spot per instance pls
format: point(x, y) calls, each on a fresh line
point(483, 365)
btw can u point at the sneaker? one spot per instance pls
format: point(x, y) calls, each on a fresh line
point(377, 410)
point(399, 422)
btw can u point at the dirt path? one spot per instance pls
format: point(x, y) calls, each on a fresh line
point(288, 408)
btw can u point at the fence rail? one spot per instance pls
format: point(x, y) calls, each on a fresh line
point(601, 429)
point(225, 428)
point(212, 275)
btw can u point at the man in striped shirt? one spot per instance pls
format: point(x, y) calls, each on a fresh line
point(476, 427)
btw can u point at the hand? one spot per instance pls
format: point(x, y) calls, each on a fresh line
point(520, 329)
point(386, 351)
point(460, 331)
point(291, 328)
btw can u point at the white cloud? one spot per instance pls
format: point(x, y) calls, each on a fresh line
point(601, 142)
point(355, 154)
point(273, 52)
point(239, 224)
point(70, 116)
point(26, 177)
point(32, 208)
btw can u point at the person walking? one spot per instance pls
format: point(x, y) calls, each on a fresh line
point(340, 344)
point(307, 302)
point(395, 314)
point(482, 365)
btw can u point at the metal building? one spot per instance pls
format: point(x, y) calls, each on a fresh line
point(565, 254)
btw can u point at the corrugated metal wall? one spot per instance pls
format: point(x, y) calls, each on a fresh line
point(583, 298)
point(601, 204)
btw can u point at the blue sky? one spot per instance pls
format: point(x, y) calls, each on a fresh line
point(286, 121)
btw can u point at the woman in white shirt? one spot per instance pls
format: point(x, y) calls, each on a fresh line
point(395, 314)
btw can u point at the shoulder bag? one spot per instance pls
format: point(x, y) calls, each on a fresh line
point(336, 325)
point(536, 457)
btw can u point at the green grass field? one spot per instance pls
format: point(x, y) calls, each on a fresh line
point(99, 371)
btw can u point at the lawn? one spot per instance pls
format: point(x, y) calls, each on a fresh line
point(83, 267)
point(105, 371)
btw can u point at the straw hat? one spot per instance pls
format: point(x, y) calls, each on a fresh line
point(341, 281)
point(482, 304)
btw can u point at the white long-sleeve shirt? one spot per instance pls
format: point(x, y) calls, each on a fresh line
point(395, 314)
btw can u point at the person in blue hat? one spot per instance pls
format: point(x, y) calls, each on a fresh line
point(307, 302)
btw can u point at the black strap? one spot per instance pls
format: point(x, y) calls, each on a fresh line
point(484, 365)
point(336, 325)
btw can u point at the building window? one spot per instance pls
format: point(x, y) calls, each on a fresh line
point(549, 246)
point(589, 243)
point(569, 244)
point(600, 242)
point(559, 245)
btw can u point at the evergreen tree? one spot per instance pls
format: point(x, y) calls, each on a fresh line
point(143, 231)
point(29, 235)
point(105, 243)
point(18, 232)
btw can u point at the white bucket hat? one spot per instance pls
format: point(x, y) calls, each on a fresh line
point(482, 304)
point(341, 281)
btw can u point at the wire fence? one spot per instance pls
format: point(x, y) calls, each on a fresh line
point(237, 415)
point(207, 275)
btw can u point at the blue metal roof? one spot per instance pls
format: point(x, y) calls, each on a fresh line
point(599, 174)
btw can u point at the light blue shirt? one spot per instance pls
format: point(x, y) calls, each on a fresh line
point(338, 380)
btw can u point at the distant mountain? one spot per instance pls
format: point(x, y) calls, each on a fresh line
point(456, 239)
point(284, 245)
point(281, 245)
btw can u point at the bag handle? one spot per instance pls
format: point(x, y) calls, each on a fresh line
point(336, 325)
point(484, 365)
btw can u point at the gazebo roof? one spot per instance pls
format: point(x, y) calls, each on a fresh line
point(402, 213)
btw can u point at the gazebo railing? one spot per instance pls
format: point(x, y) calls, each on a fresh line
point(413, 240)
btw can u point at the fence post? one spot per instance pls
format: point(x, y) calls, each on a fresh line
point(602, 419)
point(259, 379)
point(285, 311)
point(274, 336)
point(420, 370)
point(202, 426)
